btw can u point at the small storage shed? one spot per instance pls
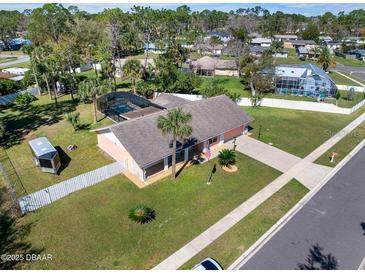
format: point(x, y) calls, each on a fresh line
point(45, 155)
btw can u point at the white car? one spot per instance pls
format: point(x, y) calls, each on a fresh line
point(208, 264)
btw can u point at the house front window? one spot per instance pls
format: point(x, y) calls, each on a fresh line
point(212, 141)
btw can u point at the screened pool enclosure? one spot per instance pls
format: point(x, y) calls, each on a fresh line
point(304, 80)
point(45, 155)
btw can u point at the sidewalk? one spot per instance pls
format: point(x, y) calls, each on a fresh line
point(192, 248)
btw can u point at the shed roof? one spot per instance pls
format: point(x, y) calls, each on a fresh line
point(42, 147)
point(210, 117)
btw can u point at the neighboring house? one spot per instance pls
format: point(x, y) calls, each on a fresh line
point(253, 35)
point(88, 66)
point(154, 48)
point(207, 49)
point(209, 66)
point(17, 43)
point(356, 54)
point(306, 80)
point(258, 51)
point(262, 42)
point(325, 39)
point(300, 43)
point(15, 74)
point(285, 37)
point(281, 54)
point(146, 152)
point(333, 46)
point(307, 53)
point(225, 36)
point(354, 40)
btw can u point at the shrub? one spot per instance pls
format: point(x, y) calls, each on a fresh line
point(2, 129)
point(144, 89)
point(73, 119)
point(25, 99)
point(9, 86)
point(142, 214)
point(227, 157)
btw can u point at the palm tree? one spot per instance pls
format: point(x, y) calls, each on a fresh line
point(175, 123)
point(227, 157)
point(91, 88)
point(325, 59)
point(133, 69)
point(276, 46)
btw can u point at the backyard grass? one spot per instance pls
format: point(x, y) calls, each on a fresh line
point(90, 229)
point(297, 132)
point(227, 248)
point(232, 84)
point(42, 118)
point(343, 147)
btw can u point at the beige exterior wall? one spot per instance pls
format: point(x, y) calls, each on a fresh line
point(111, 145)
point(226, 72)
point(288, 45)
point(233, 133)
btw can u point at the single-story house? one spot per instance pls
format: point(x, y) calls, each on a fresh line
point(14, 74)
point(285, 37)
point(307, 53)
point(305, 80)
point(119, 63)
point(152, 47)
point(262, 42)
point(332, 46)
point(281, 54)
point(325, 39)
point(207, 49)
point(356, 54)
point(258, 51)
point(300, 43)
point(210, 66)
point(225, 36)
point(145, 152)
point(354, 40)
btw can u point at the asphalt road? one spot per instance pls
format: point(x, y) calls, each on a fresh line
point(359, 72)
point(333, 220)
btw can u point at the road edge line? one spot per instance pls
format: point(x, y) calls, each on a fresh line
point(249, 253)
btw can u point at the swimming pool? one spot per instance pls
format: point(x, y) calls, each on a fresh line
point(122, 108)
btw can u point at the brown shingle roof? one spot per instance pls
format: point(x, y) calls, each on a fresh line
point(211, 117)
point(169, 101)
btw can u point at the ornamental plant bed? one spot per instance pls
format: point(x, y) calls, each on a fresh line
point(231, 168)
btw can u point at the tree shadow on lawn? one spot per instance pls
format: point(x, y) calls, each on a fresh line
point(31, 118)
point(317, 260)
point(13, 238)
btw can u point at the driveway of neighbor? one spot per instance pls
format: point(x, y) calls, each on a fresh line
point(333, 219)
point(310, 174)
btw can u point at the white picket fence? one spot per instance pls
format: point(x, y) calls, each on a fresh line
point(55, 192)
point(347, 88)
point(287, 104)
point(9, 98)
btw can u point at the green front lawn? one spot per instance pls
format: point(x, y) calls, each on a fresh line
point(341, 80)
point(227, 248)
point(343, 147)
point(7, 59)
point(42, 118)
point(90, 229)
point(295, 131)
point(349, 62)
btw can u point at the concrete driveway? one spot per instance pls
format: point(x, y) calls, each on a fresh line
point(307, 173)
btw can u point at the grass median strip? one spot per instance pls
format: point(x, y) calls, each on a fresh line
point(343, 147)
point(238, 239)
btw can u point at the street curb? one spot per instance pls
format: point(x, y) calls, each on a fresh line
point(240, 261)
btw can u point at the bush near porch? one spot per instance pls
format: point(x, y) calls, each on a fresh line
point(90, 229)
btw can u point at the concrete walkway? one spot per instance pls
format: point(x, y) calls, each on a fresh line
point(298, 170)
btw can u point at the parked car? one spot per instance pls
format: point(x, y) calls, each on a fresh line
point(208, 264)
